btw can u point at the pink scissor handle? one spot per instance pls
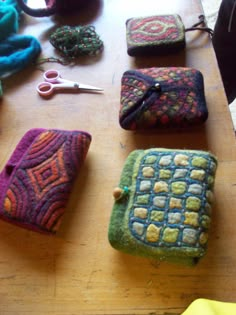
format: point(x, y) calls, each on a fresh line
point(52, 76)
point(45, 88)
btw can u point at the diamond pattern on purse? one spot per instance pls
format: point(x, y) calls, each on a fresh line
point(37, 180)
point(159, 34)
point(163, 204)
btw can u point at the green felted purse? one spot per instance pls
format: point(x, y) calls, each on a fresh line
point(159, 34)
point(163, 204)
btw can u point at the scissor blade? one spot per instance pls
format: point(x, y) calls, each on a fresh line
point(86, 87)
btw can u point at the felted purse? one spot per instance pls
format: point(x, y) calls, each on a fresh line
point(162, 97)
point(159, 34)
point(162, 207)
point(37, 179)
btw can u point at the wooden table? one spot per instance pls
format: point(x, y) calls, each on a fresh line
point(77, 271)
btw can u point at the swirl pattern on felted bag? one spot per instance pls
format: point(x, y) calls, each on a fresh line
point(179, 102)
point(40, 187)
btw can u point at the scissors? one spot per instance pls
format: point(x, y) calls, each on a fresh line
point(53, 81)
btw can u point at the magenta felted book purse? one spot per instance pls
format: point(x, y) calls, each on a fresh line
point(37, 180)
point(168, 97)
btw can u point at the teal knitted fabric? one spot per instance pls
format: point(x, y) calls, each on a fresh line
point(8, 21)
point(16, 51)
point(13, 4)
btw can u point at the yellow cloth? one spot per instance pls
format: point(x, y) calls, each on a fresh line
point(210, 307)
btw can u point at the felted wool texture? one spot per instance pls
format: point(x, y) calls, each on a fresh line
point(13, 4)
point(37, 179)
point(16, 51)
point(154, 35)
point(165, 97)
point(8, 21)
point(166, 214)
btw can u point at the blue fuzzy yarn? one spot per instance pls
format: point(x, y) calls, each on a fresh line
point(16, 52)
point(11, 3)
point(8, 21)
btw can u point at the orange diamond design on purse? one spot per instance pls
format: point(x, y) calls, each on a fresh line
point(49, 174)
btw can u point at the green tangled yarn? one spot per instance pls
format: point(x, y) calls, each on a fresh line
point(76, 41)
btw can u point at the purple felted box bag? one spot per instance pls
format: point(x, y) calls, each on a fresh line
point(167, 97)
point(37, 179)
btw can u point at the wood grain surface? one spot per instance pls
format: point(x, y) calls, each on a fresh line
point(77, 271)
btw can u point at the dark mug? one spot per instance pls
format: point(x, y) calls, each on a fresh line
point(51, 7)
